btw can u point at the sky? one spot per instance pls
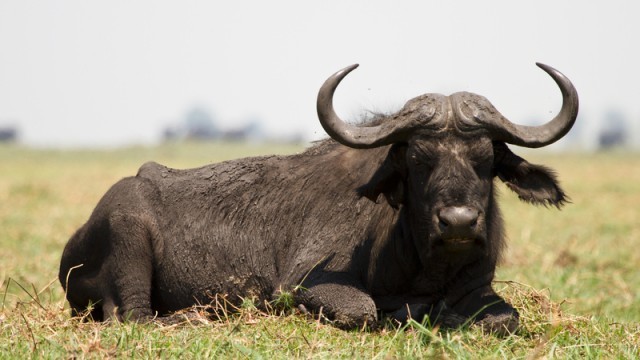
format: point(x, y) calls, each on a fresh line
point(78, 73)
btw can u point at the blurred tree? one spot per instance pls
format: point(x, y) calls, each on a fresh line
point(614, 131)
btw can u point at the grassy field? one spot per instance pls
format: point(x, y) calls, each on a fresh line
point(573, 274)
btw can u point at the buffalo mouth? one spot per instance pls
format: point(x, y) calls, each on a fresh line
point(460, 244)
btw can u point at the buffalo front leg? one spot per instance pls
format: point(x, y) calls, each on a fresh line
point(127, 274)
point(340, 299)
point(489, 310)
point(401, 308)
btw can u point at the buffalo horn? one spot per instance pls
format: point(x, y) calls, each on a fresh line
point(538, 136)
point(501, 128)
point(359, 137)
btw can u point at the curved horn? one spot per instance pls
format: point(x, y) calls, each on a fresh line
point(358, 137)
point(554, 130)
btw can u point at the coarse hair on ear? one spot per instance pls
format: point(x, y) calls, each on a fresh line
point(535, 184)
point(388, 179)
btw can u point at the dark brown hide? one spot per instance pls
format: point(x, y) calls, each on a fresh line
point(409, 228)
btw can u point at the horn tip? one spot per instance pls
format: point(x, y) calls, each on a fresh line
point(550, 70)
point(543, 66)
point(554, 73)
point(350, 68)
point(340, 74)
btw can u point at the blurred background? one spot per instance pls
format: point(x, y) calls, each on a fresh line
point(90, 90)
point(76, 74)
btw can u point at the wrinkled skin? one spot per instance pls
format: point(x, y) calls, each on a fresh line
point(411, 229)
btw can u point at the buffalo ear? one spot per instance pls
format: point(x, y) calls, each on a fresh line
point(388, 179)
point(536, 184)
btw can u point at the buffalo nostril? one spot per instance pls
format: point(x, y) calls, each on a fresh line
point(458, 217)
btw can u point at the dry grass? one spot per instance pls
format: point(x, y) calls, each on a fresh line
point(43, 327)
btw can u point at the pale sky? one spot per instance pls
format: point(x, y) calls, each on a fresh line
point(90, 73)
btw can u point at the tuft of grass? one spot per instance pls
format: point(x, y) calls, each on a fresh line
point(284, 301)
point(572, 275)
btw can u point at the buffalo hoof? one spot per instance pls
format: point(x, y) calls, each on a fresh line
point(181, 318)
point(438, 315)
point(350, 322)
point(408, 312)
point(501, 324)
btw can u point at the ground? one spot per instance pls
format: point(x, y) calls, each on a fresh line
point(572, 274)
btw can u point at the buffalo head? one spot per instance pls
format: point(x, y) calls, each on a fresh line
point(445, 152)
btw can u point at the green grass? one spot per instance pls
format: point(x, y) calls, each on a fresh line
point(572, 273)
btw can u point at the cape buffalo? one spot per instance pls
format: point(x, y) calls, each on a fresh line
point(314, 223)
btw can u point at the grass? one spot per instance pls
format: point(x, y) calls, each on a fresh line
point(571, 273)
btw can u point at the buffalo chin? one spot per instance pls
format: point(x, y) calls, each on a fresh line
point(460, 244)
